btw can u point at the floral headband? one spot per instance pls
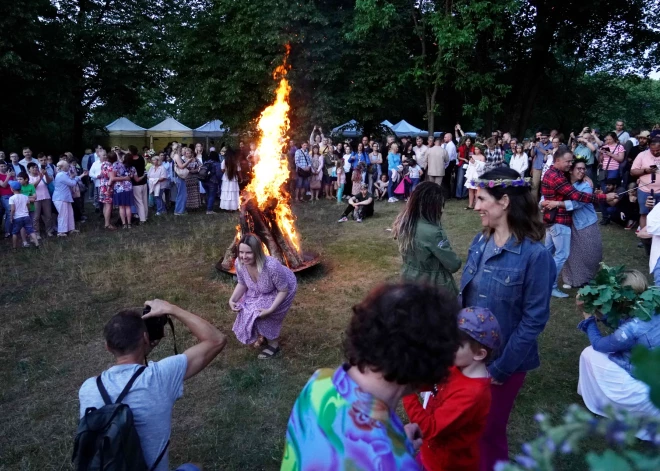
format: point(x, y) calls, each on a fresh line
point(503, 183)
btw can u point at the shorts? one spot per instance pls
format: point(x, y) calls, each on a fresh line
point(20, 223)
point(302, 182)
point(123, 198)
point(326, 179)
point(641, 200)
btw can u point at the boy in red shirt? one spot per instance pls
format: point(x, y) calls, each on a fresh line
point(453, 415)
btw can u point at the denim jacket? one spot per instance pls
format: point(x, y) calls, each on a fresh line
point(620, 344)
point(584, 214)
point(515, 285)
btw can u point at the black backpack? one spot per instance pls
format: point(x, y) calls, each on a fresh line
point(205, 172)
point(106, 439)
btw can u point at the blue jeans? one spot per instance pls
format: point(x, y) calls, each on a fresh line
point(181, 196)
point(558, 242)
point(656, 273)
point(211, 193)
point(461, 191)
point(413, 184)
point(6, 211)
point(605, 208)
point(391, 186)
point(160, 204)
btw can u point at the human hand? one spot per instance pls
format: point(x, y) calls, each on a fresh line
point(320, 129)
point(265, 312)
point(234, 306)
point(612, 199)
point(315, 128)
point(650, 202)
point(545, 204)
point(495, 382)
point(414, 434)
point(158, 308)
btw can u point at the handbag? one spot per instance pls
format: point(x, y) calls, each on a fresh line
point(182, 173)
point(304, 173)
point(602, 172)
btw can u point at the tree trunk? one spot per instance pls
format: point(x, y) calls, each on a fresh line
point(430, 109)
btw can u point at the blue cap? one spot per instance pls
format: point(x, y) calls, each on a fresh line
point(480, 324)
point(14, 185)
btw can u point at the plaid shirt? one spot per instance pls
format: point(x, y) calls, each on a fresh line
point(556, 187)
point(494, 158)
point(302, 159)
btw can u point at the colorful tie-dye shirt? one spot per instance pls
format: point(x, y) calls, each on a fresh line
point(334, 425)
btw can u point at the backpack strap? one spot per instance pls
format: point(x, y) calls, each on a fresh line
point(160, 457)
point(122, 395)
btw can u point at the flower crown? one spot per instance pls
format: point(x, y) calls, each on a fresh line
point(503, 183)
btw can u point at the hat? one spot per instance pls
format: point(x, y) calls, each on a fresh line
point(480, 324)
point(645, 134)
point(15, 185)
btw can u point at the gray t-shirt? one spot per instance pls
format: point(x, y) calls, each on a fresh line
point(151, 400)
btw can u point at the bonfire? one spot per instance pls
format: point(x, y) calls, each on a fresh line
point(265, 203)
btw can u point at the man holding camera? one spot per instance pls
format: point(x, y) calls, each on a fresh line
point(153, 394)
point(645, 168)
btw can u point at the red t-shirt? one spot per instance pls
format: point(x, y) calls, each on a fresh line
point(5, 191)
point(452, 423)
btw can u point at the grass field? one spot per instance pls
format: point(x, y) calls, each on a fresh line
point(54, 302)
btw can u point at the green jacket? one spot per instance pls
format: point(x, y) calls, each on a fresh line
point(431, 260)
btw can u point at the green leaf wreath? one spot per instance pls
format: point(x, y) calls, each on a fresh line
point(604, 295)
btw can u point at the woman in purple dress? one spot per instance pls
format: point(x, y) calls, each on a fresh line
point(262, 297)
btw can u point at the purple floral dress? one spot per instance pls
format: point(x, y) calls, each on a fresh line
point(260, 295)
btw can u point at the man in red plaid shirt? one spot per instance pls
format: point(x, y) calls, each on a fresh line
point(555, 189)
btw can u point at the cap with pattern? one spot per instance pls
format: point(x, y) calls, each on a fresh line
point(480, 324)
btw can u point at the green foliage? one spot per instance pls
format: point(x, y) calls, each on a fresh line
point(605, 295)
point(647, 365)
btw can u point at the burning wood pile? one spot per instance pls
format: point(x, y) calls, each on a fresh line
point(265, 209)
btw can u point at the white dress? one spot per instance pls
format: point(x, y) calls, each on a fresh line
point(474, 172)
point(229, 194)
point(603, 383)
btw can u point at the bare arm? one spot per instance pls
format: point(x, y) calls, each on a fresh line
point(211, 340)
point(279, 299)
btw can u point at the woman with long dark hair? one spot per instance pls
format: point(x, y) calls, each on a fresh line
point(229, 190)
point(509, 271)
point(427, 254)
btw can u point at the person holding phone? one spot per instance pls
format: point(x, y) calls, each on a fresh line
point(645, 169)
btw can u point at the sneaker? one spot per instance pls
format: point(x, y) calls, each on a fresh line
point(558, 294)
point(26, 244)
point(159, 214)
point(565, 286)
point(358, 220)
point(344, 219)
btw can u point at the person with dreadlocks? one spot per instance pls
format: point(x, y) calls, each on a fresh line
point(426, 251)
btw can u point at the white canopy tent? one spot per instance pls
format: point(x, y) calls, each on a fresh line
point(123, 132)
point(210, 130)
point(404, 128)
point(168, 130)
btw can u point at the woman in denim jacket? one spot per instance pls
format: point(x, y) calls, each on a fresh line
point(606, 375)
point(510, 272)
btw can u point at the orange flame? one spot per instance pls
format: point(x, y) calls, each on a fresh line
point(272, 171)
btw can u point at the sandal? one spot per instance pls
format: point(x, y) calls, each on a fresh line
point(130, 227)
point(268, 352)
point(468, 208)
point(124, 226)
point(111, 227)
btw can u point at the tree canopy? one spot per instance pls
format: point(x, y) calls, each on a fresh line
point(507, 64)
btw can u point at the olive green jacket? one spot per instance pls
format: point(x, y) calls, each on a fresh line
point(431, 260)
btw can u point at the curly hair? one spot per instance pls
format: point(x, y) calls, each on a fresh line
point(408, 332)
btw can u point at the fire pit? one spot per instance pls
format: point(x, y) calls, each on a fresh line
point(265, 208)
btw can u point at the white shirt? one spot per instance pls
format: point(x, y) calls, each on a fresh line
point(623, 137)
point(414, 172)
point(95, 173)
point(20, 202)
point(520, 163)
point(450, 147)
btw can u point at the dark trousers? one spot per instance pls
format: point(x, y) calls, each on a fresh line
point(448, 182)
point(362, 211)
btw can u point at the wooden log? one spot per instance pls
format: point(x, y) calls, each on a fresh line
point(293, 257)
point(227, 262)
point(262, 229)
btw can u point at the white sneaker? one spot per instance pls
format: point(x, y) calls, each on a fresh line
point(565, 286)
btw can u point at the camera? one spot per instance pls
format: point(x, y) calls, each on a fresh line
point(155, 325)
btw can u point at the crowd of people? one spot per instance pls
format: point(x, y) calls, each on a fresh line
point(455, 355)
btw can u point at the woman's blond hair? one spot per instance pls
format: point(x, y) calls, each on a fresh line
point(635, 279)
point(254, 242)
